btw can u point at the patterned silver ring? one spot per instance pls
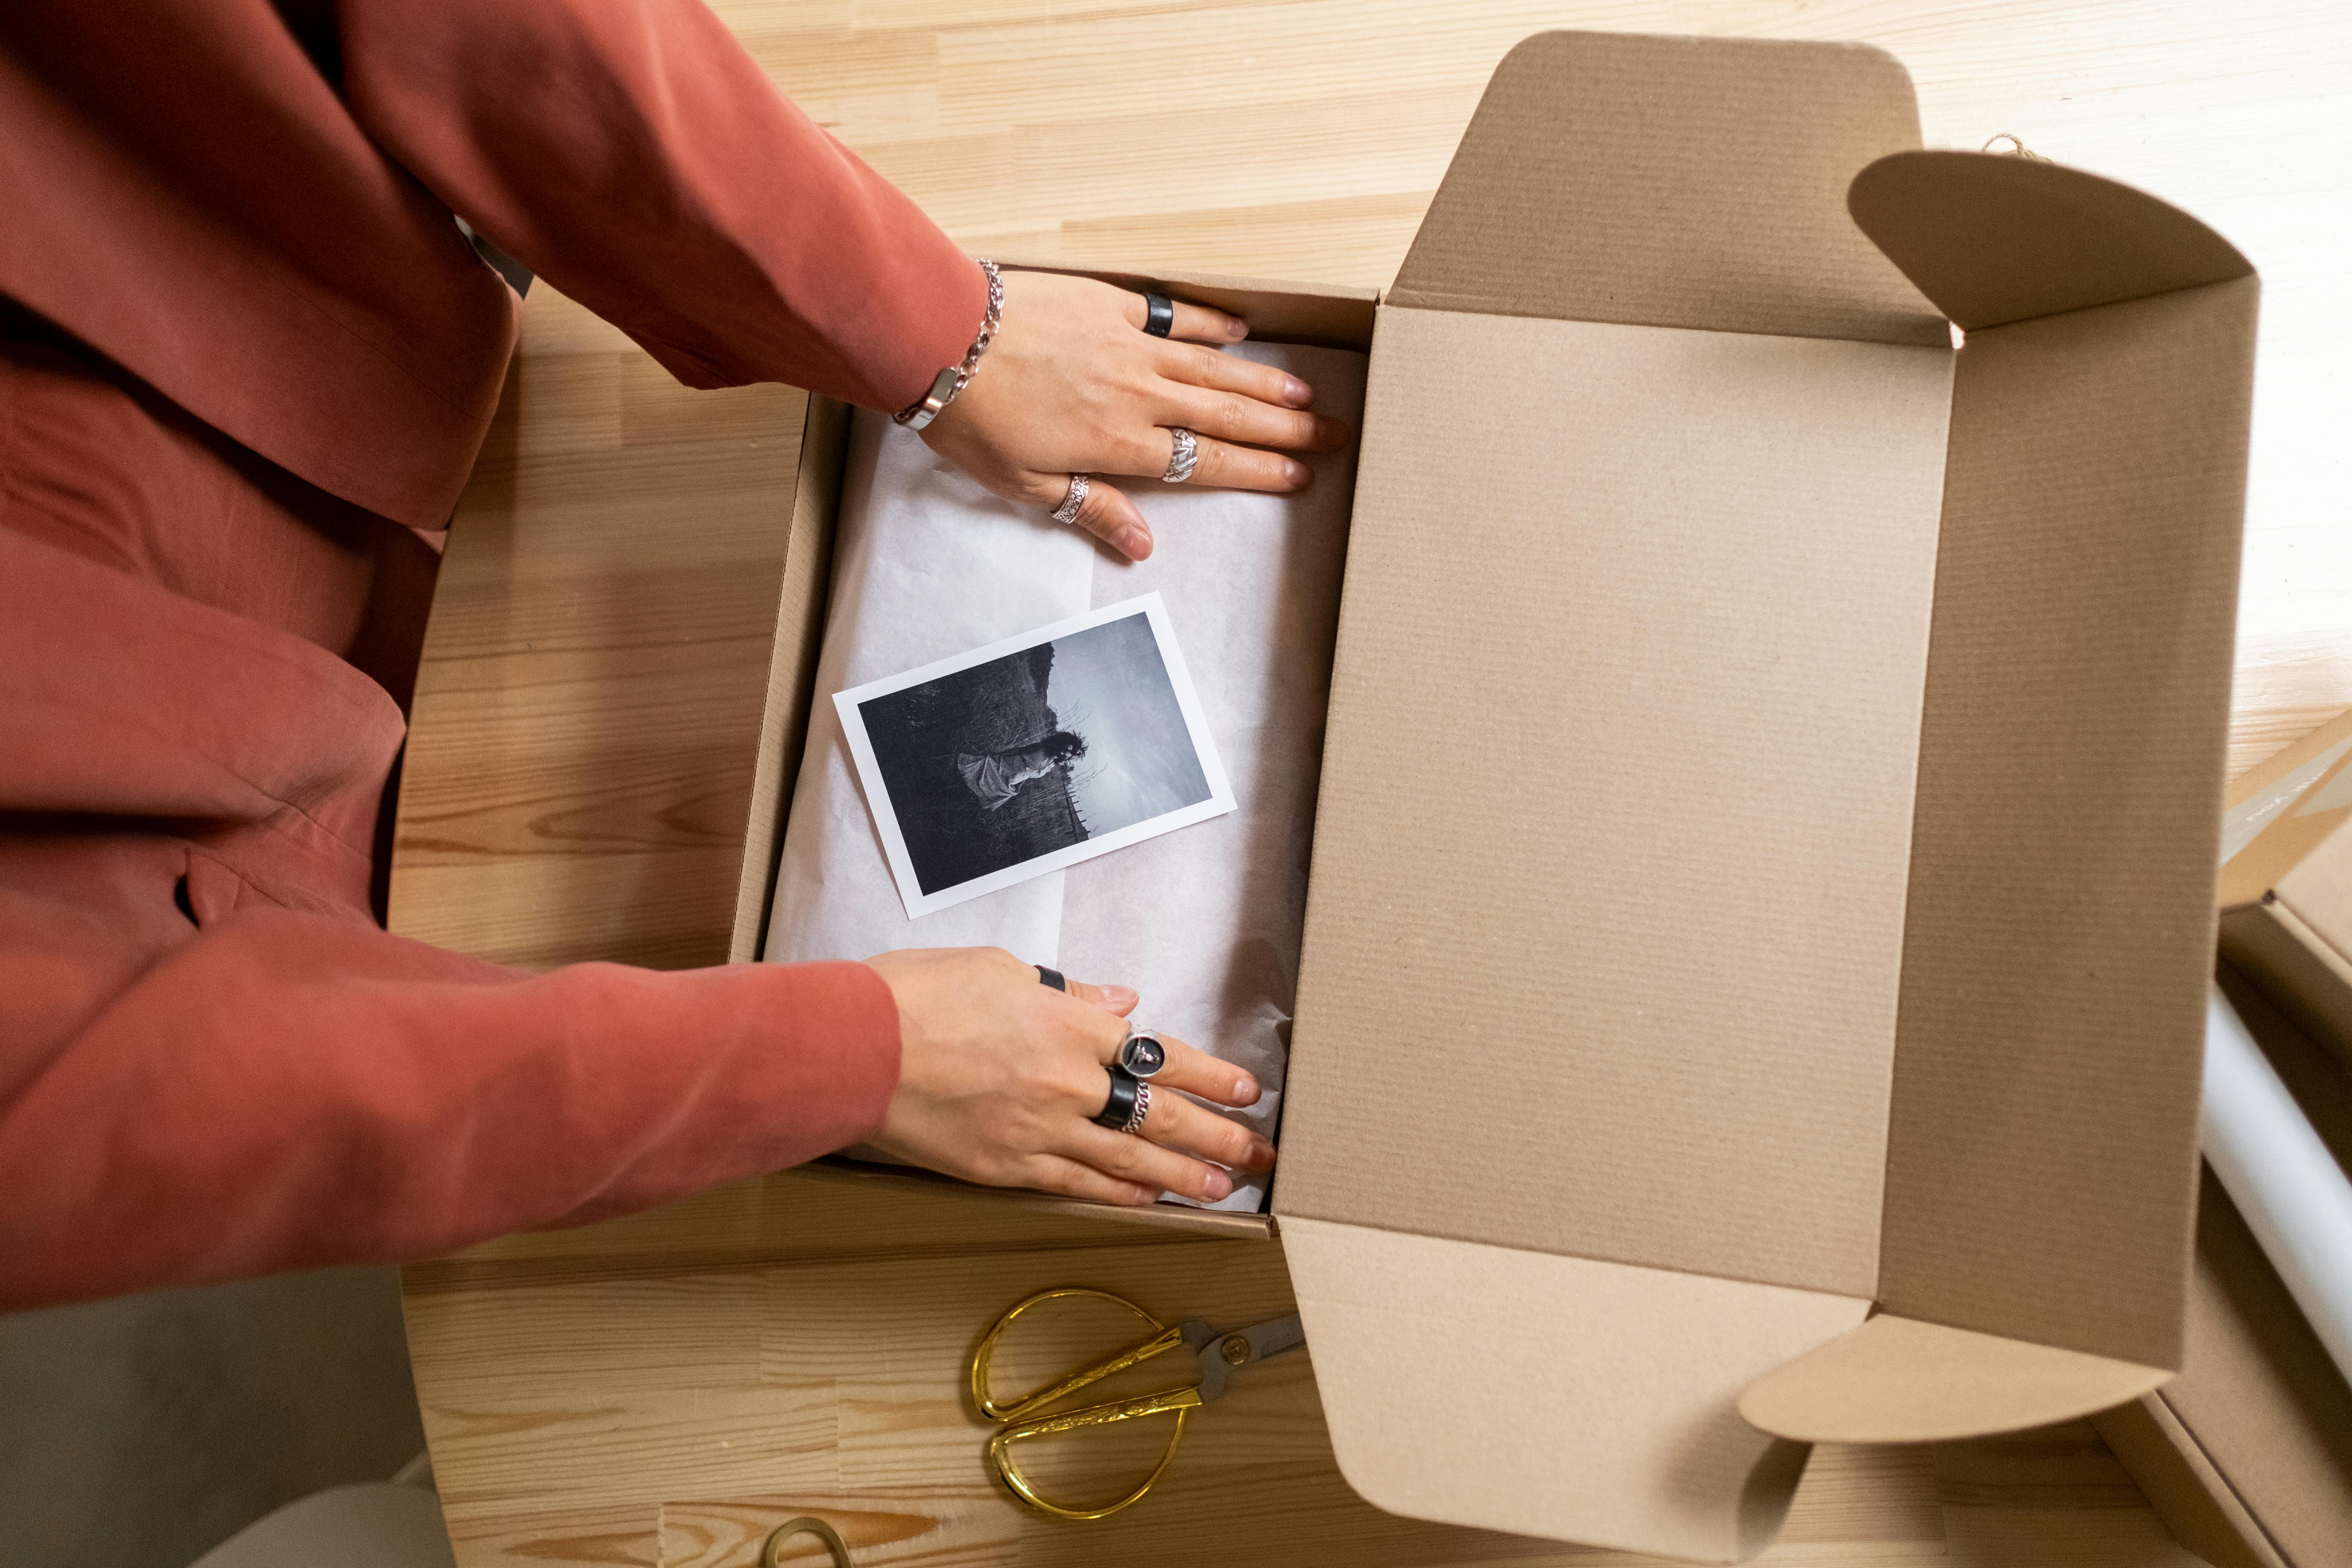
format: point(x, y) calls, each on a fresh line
point(1142, 1109)
point(1068, 510)
point(1183, 454)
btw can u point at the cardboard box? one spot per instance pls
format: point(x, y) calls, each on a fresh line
point(2286, 883)
point(1730, 987)
point(2248, 1453)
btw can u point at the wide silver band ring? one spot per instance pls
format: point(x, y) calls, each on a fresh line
point(1183, 454)
point(1068, 510)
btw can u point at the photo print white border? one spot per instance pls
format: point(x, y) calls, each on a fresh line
point(884, 812)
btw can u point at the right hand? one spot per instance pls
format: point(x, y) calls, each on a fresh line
point(999, 1076)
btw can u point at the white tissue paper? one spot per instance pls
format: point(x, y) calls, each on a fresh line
point(1204, 922)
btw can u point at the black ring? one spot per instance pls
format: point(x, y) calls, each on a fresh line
point(1143, 1054)
point(1159, 314)
point(1120, 1108)
point(1051, 977)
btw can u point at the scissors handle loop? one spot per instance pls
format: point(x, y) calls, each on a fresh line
point(1180, 1401)
point(1165, 1338)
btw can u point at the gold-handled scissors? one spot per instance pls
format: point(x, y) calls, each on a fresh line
point(1217, 1356)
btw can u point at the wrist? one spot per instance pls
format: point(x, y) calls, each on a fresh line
point(952, 379)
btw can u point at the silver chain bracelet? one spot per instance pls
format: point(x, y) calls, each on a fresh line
point(953, 379)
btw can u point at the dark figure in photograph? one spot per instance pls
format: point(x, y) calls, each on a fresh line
point(997, 776)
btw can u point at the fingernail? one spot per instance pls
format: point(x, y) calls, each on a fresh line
point(1297, 392)
point(1120, 997)
point(1217, 1186)
point(1134, 540)
point(1296, 473)
point(1236, 329)
point(1245, 1091)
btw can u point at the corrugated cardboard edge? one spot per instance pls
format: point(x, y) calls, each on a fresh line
point(2195, 1502)
point(2297, 968)
point(791, 667)
point(1896, 1380)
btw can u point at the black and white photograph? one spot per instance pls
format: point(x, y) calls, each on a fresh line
point(1033, 753)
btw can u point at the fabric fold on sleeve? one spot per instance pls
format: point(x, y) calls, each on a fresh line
point(634, 155)
point(293, 1090)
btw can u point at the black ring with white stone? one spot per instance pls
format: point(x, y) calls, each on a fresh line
point(1159, 314)
point(1142, 1054)
point(1129, 1102)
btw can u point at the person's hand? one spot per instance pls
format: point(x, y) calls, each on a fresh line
point(1072, 384)
point(999, 1076)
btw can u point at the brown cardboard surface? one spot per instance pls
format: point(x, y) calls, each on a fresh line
point(1896, 1380)
point(1676, 181)
point(792, 667)
point(1620, 1079)
point(1551, 1395)
point(2058, 939)
point(1608, 960)
point(1993, 239)
point(2176, 1476)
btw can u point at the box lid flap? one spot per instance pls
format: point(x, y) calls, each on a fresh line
point(1897, 1380)
point(1672, 181)
point(1552, 1396)
point(2041, 1144)
point(1993, 239)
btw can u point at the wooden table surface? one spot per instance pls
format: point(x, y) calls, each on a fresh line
point(655, 1390)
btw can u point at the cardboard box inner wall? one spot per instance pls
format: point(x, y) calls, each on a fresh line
point(1723, 923)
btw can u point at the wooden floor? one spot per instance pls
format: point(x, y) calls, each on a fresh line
point(655, 1391)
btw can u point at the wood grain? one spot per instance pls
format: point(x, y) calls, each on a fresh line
point(663, 1389)
point(667, 1388)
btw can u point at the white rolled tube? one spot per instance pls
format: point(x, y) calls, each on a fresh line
point(2285, 1180)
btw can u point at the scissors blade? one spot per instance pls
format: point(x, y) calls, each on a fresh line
point(1221, 1355)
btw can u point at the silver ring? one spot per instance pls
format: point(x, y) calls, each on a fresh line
point(1142, 1109)
point(1183, 453)
point(1068, 510)
point(1142, 1053)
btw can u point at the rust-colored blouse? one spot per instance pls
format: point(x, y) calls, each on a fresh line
point(245, 360)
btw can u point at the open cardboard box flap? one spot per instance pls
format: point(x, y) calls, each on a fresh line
point(1763, 862)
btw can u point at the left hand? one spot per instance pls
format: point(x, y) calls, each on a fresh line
point(1072, 384)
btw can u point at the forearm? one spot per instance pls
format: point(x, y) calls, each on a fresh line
point(291, 1090)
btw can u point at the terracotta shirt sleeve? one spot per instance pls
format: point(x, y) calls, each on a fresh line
point(631, 152)
point(292, 1089)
